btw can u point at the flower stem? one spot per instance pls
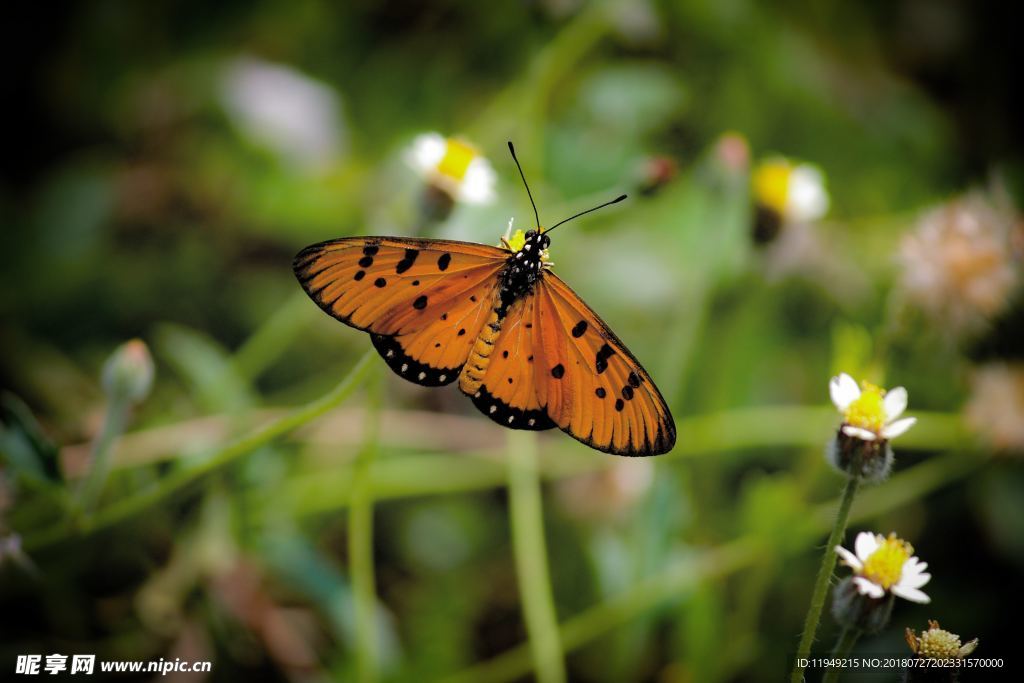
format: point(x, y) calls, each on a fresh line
point(846, 641)
point(828, 563)
point(130, 507)
point(360, 540)
point(114, 423)
point(531, 557)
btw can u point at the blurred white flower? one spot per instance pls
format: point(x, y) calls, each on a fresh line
point(995, 407)
point(869, 413)
point(959, 265)
point(453, 166)
point(296, 116)
point(886, 565)
point(794, 191)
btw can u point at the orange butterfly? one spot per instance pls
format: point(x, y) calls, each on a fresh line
point(524, 347)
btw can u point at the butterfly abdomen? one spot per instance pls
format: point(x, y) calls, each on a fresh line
point(480, 356)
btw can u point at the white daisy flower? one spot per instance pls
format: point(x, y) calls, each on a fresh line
point(453, 166)
point(869, 412)
point(886, 565)
point(795, 191)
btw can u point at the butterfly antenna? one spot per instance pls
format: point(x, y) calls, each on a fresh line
point(523, 176)
point(601, 206)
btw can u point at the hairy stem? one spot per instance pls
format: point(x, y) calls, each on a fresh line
point(821, 584)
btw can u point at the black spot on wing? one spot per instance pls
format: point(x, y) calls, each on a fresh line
point(600, 392)
point(443, 261)
point(558, 371)
point(420, 303)
point(510, 416)
point(407, 260)
point(601, 361)
point(360, 274)
point(370, 250)
point(405, 366)
point(380, 282)
point(579, 329)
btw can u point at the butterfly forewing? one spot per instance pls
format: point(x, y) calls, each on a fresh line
point(423, 301)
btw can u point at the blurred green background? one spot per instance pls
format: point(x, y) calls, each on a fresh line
point(144, 196)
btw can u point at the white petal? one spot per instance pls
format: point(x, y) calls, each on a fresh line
point(911, 594)
point(807, 198)
point(898, 427)
point(895, 403)
point(426, 152)
point(844, 391)
point(866, 587)
point(848, 558)
point(912, 574)
point(858, 433)
point(866, 544)
point(478, 183)
point(915, 581)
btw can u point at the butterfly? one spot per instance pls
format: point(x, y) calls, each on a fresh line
point(522, 345)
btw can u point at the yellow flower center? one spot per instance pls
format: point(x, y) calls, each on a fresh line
point(885, 566)
point(868, 411)
point(771, 184)
point(938, 644)
point(517, 241)
point(457, 157)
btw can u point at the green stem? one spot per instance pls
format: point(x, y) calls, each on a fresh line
point(821, 584)
point(114, 423)
point(844, 645)
point(273, 337)
point(128, 508)
point(531, 557)
point(360, 541)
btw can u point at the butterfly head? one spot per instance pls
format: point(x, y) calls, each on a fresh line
point(532, 245)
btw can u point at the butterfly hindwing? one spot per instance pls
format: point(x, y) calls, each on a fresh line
point(508, 393)
point(422, 301)
point(592, 386)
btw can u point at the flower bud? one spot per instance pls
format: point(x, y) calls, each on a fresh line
point(435, 204)
point(855, 457)
point(853, 609)
point(128, 373)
